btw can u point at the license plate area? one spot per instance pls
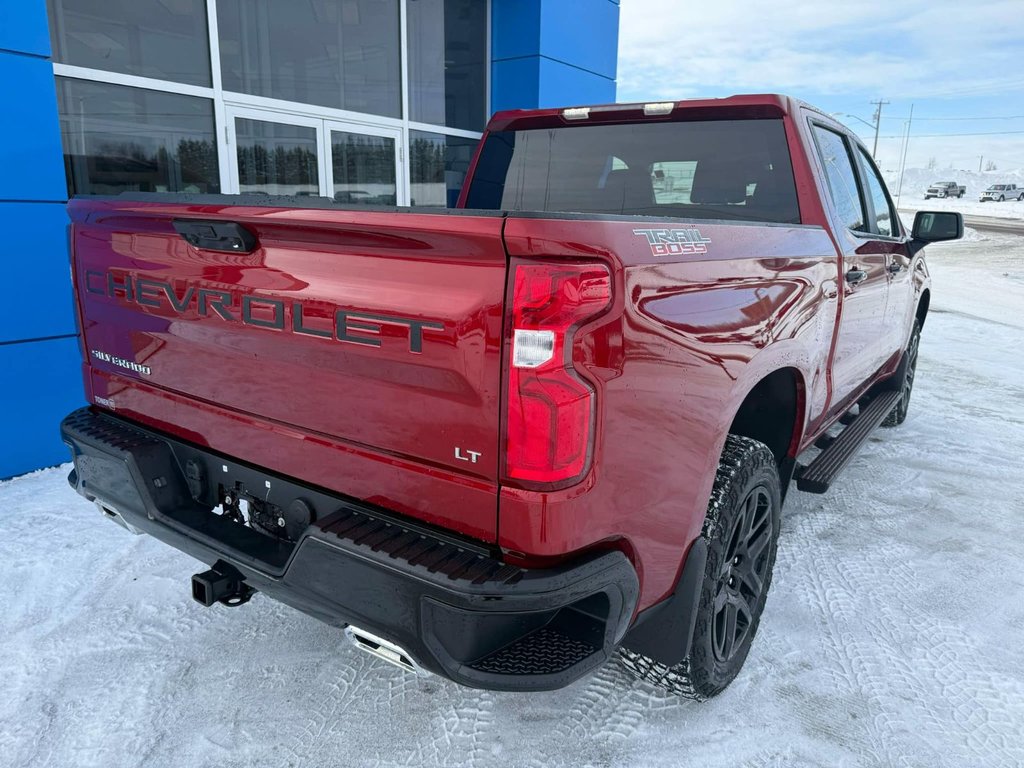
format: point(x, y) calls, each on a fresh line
point(254, 509)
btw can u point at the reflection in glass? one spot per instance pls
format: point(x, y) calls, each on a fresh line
point(119, 139)
point(438, 167)
point(276, 159)
point(364, 169)
point(164, 39)
point(334, 54)
point(448, 62)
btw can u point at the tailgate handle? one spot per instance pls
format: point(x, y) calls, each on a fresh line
point(216, 235)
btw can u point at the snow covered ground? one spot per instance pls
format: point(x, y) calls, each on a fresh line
point(967, 206)
point(916, 181)
point(892, 635)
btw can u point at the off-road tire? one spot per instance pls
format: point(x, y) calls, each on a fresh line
point(904, 379)
point(746, 488)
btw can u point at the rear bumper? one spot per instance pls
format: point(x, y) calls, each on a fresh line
point(452, 604)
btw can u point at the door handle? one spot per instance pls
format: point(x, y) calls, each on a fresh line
point(894, 268)
point(855, 276)
point(216, 235)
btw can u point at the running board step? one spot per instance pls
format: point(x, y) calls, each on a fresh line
point(817, 476)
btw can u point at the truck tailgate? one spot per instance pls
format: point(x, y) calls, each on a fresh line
point(376, 333)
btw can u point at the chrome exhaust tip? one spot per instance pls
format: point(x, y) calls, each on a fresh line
point(116, 517)
point(383, 649)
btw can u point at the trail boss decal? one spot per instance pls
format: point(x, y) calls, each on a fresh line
point(363, 328)
point(675, 242)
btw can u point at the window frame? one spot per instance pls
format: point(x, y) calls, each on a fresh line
point(863, 156)
point(819, 156)
point(224, 101)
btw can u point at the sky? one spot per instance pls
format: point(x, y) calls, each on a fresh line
point(959, 63)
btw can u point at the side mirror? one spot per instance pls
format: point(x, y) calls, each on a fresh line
point(936, 226)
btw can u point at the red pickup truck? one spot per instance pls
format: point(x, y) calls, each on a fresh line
point(505, 442)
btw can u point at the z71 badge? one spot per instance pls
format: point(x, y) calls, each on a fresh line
point(675, 242)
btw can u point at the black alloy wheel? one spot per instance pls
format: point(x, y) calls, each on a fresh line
point(741, 578)
point(909, 370)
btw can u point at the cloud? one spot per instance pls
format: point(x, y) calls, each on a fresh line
point(916, 49)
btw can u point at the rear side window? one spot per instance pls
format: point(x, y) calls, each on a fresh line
point(723, 169)
point(842, 181)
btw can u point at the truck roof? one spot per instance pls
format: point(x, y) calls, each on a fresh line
point(742, 105)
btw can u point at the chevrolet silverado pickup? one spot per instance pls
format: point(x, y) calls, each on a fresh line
point(506, 442)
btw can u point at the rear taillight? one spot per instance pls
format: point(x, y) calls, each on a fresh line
point(550, 408)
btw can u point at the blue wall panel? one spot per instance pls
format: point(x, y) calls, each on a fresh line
point(547, 53)
point(23, 27)
point(31, 159)
point(41, 379)
point(515, 83)
point(563, 85)
point(584, 35)
point(34, 259)
point(43, 383)
point(515, 26)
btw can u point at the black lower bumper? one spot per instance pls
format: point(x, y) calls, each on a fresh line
point(451, 604)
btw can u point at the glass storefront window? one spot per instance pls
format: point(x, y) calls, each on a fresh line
point(448, 62)
point(276, 158)
point(162, 39)
point(364, 169)
point(334, 54)
point(438, 167)
point(119, 139)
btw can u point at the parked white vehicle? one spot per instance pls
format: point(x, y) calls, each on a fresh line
point(1001, 192)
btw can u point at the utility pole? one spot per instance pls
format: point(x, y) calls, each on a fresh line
point(878, 122)
point(980, 158)
point(903, 158)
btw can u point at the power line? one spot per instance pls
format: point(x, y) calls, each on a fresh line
point(994, 117)
point(942, 135)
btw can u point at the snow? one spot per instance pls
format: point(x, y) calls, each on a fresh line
point(891, 636)
point(916, 181)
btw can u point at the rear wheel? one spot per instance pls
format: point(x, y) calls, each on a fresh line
point(742, 531)
point(904, 378)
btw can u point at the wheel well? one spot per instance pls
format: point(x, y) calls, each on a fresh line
point(769, 412)
point(922, 307)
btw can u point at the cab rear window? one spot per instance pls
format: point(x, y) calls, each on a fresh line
point(722, 169)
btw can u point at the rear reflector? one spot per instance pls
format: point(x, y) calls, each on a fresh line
point(549, 424)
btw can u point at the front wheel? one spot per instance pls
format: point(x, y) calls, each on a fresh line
point(1002, 199)
point(742, 532)
point(904, 378)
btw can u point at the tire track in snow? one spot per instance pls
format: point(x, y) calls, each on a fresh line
point(956, 704)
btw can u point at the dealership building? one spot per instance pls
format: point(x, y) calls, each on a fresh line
point(365, 101)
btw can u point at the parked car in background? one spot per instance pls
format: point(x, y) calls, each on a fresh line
point(1001, 192)
point(945, 189)
point(504, 442)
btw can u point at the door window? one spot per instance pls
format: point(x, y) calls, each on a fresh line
point(364, 169)
point(842, 181)
point(884, 213)
point(277, 158)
